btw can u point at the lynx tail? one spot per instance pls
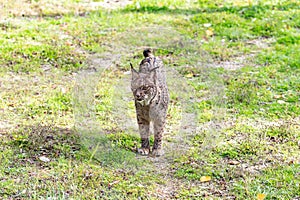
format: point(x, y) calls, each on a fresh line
point(147, 53)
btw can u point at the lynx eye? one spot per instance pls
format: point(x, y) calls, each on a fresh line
point(146, 87)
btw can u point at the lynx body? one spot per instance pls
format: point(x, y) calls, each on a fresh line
point(151, 101)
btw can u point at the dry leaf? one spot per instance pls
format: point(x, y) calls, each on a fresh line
point(44, 159)
point(277, 96)
point(205, 178)
point(190, 75)
point(207, 25)
point(233, 162)
point(209, 32)
point(138, 6)
point(261, 196)
point(113, 183)
point(281, 102)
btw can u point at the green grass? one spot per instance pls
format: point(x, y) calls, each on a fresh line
point(68, 128)
point(279, 183)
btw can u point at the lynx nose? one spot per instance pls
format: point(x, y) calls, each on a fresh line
point(138, 93)
point(138, 96)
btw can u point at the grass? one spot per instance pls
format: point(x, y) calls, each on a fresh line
point(69, 129)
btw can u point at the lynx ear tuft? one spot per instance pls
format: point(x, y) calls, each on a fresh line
point(133, 72)
point(132, 69)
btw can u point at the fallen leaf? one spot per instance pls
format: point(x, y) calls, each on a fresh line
point(209, 32)
point(205, 178)
point(261, 196)
point(190, 75)
point(277, 96)
point(233, 162)
point(138, 6)
point(63, 90)
point(44, 159)
point(113, 183)
point(207, 25)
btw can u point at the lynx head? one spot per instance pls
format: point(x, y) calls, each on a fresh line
point(143, 85)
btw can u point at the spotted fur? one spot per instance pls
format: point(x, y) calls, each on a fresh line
point(151, 101)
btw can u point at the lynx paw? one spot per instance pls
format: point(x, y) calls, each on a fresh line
point(143, 151)
point(157, 152)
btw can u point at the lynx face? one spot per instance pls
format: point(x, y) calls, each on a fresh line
point(143, 87)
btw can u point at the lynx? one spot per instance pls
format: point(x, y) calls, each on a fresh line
point(151, 97)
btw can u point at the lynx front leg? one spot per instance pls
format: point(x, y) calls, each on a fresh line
point(145, 134)
point(158, 134)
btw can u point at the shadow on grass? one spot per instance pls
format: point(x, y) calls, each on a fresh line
point(112, 150)
point(32, 144)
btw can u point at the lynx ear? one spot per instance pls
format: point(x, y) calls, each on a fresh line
point(134, 73)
